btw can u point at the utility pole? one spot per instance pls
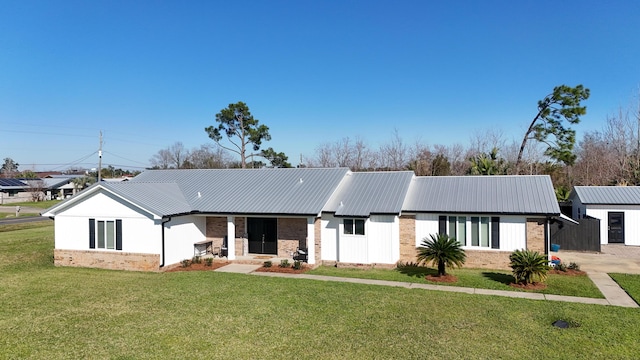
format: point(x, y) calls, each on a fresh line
point(100, 159)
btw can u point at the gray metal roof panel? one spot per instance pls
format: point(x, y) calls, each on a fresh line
point(252, 191)
point(482, 194)
point(159, 198)
point(362, 194)
point(608, 195)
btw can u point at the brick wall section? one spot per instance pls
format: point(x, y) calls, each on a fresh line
point(292, 233)
point(535, 235)
point(483, 259)
point(217, 229)
point(114, 260)
point(407, 238)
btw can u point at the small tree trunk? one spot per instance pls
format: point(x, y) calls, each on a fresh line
point(441, 269)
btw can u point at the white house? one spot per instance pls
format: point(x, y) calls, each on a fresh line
point(617, 207)
point(340, 217)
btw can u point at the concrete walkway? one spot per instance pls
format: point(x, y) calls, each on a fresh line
point(614, 295)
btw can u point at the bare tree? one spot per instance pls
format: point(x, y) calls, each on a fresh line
point(394, 153)
point(36, 189)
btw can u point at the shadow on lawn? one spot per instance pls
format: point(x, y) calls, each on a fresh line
point(499, 277)
point(414, 270)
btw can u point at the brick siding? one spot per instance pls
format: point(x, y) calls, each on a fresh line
point(536, 235)
point(407, 238)
point(114, 260)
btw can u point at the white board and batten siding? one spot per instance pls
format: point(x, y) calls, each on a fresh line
point(513, 230)
point(631, 221)
point(379, 245)
point(179, 236)
point(139, 230)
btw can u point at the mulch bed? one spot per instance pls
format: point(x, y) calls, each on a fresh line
point(196, 267)
point(443, 279)
point(569, 272)
point(287, 270)
point(533, 286)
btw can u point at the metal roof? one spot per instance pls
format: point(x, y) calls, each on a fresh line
point(251, 191)
point(482, 194)
point(362, 194)
point(160, 198)
point(608, 195)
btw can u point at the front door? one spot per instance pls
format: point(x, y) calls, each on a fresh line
point(616, 227)
point(262, 235)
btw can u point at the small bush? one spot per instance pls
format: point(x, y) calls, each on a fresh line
point(297, 265)
point(561, 267)
point(528, 266)
point(208, 261)
point(573, 266)
point(267, 264)
point(185, 263)
point(284, 263)
point(196, 260)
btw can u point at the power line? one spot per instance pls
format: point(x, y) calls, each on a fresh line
point(124, 158)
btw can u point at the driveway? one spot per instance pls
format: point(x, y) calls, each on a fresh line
point(613, 258)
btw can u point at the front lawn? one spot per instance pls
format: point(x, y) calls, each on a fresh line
point(58, 312)
point(37, 204)
point(473, 278)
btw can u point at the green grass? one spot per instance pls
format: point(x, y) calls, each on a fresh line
point(473, 278)
point(39, 204)
point(70, 313)
point(630, 283)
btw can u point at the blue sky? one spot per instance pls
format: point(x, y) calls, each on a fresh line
point(150, 73)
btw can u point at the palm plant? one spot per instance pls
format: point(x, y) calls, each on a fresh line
point(528, 266)
point(442, 250)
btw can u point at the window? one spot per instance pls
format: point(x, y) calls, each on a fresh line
point(108, 234)
point(472, 231)
point(353, 226)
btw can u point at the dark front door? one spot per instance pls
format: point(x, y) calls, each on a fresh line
point(262, 235)
point(616, 227)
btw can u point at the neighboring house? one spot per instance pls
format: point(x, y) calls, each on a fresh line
point(60, 186)
point(340, 217)
point(617, 207)
point(13, 190)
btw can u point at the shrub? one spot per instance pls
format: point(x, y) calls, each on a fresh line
point(297, 265)
point(441, 250)
point(528, 266)
point(267, 264)
point(561, 267)
point(185, 263)
point(196, 260)
point(208, 261)
point(573, 266)
point(284, 263)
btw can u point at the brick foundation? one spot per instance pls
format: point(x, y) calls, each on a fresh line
point(317, 231)
point(482, 259)
point(113, 260)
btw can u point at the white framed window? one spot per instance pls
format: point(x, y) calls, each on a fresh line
point(105, 234)
point(470, 231)
point(353, 226)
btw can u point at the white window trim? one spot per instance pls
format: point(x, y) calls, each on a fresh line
point(364, 227)
point(468, 240)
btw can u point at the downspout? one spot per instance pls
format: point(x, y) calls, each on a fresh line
point(164, 221)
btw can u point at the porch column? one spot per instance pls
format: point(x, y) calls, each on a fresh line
point(311, 241)
point(231, 238)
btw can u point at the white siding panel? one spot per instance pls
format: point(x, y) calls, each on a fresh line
point(513, 233)
point(631, 221)
point(426, 224)
point(179, 236)
point(140, 233)
point(352, 248)
point(383, 239)
point(329, 247)
point(104, 204)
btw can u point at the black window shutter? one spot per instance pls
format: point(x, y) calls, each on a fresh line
point(442, 225)
point(495, 232)
point(92, 233)
point(118, 234)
